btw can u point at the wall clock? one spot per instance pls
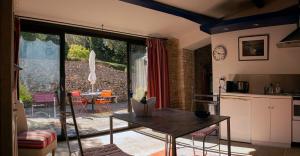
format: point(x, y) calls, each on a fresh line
point(219, 53)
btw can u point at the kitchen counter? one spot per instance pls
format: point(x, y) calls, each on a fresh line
point(285, 96)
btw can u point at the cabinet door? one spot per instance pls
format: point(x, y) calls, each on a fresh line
point(281, 120)
point(260, 119)
point(238, 108)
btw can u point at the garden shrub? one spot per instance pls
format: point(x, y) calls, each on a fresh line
point(25, 95)
point(78, 52)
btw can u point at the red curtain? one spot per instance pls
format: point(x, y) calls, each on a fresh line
point(158, 73)
point(16, 57)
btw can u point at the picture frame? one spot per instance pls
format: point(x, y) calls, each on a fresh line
point(253, 48)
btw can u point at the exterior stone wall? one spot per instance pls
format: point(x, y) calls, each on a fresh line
point(77, 73)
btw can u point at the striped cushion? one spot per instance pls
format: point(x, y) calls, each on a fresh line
point(36, 139)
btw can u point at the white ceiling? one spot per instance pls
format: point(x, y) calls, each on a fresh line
point(121, 16)
point(113, 14)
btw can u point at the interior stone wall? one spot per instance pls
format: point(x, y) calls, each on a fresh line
point(181, 75)
point(173, 62)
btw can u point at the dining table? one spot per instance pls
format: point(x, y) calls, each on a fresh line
point(93, 96)
point(173, 123)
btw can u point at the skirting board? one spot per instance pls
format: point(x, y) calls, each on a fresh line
point(273, 144)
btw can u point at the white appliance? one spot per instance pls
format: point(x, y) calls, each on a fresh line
point(296, 119)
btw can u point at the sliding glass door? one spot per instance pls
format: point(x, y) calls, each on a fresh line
point(55, 62)
point(108, 94)
point(138, 70)
point(39, 79)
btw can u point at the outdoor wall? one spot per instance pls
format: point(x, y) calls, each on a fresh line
point(107, 78)
point(281, 60)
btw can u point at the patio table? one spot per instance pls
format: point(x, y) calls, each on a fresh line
point(93, 95)
point(173, 123)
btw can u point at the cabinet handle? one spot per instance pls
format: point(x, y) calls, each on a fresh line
point(270, 107)
point(234, 98)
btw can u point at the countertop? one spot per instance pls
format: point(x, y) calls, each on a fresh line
point(288, 96)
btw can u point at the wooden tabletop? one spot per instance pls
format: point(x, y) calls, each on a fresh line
point(176, 123)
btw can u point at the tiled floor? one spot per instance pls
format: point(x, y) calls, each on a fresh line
point(138, 144)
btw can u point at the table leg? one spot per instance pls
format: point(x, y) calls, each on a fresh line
point(166, 145)
point(93, 103)
point(111, 129)
point(174, 153)
point(228, 137)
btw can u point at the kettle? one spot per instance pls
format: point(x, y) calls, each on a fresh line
point(243, 86)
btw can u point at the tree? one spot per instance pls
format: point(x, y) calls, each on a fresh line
point(28, 36)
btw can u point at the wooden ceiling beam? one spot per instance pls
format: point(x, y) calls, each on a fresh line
point(192, 16)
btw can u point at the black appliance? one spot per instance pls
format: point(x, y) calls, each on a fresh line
point(237, 86)
point(231, 86)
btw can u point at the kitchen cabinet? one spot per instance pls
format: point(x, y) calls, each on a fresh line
point(238, 108)
point(271, 120)
point(260, 119)
point(281, 120)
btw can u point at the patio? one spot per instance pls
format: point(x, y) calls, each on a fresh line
point(89, 123)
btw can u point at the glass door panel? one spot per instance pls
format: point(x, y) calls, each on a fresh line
point(138, 70)
point(108, 94)
point(39, 79)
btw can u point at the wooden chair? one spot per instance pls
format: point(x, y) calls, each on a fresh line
point(105, 150)
point(36, 142)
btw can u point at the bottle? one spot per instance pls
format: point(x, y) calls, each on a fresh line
point(271, 89)
point(144, 98)
point(277, 88)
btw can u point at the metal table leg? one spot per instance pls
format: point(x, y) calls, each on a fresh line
point(173, 146)
point(228, 137)
point(93, 103)
point(166, 145)
point(111, 129)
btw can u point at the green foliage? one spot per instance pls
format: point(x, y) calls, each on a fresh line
point(106, 50)
point(25, 95)
point(78, 52)
point(28, 36)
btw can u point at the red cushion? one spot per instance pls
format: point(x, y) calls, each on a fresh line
point(36, 138)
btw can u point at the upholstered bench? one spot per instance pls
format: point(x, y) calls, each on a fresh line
point(36, 139)
point(35, 142)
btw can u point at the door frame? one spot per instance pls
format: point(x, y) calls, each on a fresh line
point(7, 110)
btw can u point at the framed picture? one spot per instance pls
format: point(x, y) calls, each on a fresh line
point(253, 48)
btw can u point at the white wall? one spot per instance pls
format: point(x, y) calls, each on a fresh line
point(281, 60)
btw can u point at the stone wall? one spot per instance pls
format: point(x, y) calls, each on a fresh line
point(181, 75)
point(107, 78)
point(173, 62)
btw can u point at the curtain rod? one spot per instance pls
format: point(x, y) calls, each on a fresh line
point(87, 27)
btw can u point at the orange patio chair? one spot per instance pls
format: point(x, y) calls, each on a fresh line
point(104, 97)
point(79, 101)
